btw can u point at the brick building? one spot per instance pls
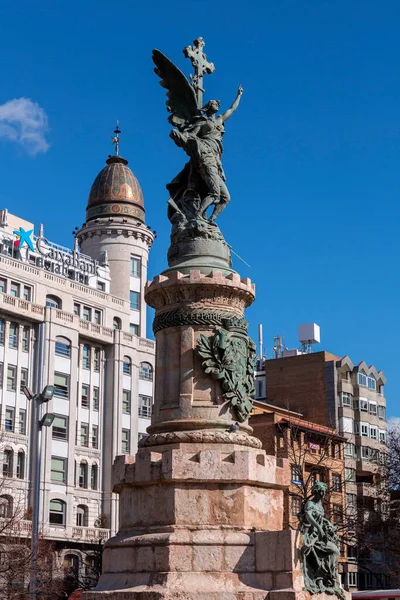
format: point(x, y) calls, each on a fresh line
point(312, 452)
point(333, 392)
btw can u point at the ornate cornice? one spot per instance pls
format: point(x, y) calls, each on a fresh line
point(200, 437)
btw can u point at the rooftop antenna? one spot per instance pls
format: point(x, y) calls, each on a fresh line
point(279, 346)
point(115, 139)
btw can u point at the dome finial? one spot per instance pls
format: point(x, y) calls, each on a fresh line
point(115, 139)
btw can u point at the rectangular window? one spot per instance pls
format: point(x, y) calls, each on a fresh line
point(3, 286)
point(21, 465)
point(1, 331)
point(134, 300)
point(95, 436)
point(382, 436)
point(363, 405)
point(373, 432)
point(97, 317)
point(1, 374)
point(13, 336)
point(371, 383)
point(86, 357)
point(96, 360)
point(364, 429)
point(61, 385)
point(27, 293)
point(362, 379)
point(135, 266)
point(296, 474)
point(382, 412)
point(85, 403)
point(134, 329)
point(373, 409)
point(357, 427)
point(77, 309)
point(337, 515)
point(22, 421)
point(11, 378)
point(58, 469)
point(347, 399)
point(296, 506)
point(101, 286)
point(126, 445)
point(351, 499)
point(14, 289)
point(60, 428)
point(9, 421)
point(24, 379)
point(144, 409)
point(350, 475)
point(349, 450)
point(85, 435)
point(95, 398)
point(87, 313)
point(126, 402)
point(25, 339)
point(365, 452)
point(336, 482)
point(352, 579)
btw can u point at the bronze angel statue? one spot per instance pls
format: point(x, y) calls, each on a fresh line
point(198, 131)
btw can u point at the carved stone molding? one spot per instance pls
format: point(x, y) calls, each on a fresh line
point(192, 317)
point(198, 437)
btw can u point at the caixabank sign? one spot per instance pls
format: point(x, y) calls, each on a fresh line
point(52, 258)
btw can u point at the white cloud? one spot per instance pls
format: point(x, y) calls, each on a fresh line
point(393, 422)
point(25, 123)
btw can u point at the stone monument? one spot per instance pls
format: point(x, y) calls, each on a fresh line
point(201, 505)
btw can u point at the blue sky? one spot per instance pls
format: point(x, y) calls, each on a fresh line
point(312, 156)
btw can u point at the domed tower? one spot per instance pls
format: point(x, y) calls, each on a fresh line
point(115, 233)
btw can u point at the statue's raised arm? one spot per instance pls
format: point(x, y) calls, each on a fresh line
point(228, 113)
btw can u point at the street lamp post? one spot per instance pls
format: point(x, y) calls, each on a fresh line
point(45, 421)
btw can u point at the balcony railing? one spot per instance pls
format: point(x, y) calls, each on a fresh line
point(90, 533)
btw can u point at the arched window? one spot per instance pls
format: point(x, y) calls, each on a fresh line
point(117, 323)
point(8, 460)
point(81, 516)
point(63, 346)
point(6, 506)
point(57, 512)
point(71, 564)
point(83, 475)
point(86, 356)
point(94, 477)
point(21, 464)
point(127, 367)
point(146, 371)
point(53, 301)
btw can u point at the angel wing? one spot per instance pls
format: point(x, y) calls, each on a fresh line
point(181, 96)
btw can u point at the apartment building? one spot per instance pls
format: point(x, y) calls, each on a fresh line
point(333, 392)
point(312, 452)
point(76, 319)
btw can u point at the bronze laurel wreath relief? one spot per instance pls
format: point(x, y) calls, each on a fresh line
point(229, 356)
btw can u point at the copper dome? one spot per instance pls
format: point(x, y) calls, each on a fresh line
point(115, 191)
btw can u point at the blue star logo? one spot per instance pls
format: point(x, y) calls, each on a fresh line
point(23, 237)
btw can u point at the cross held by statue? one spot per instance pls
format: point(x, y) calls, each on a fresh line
point(201, 67)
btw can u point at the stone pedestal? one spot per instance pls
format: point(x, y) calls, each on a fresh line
point(201, 505)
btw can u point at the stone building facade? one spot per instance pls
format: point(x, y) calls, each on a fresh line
point(333, 392)
point(76, 319)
